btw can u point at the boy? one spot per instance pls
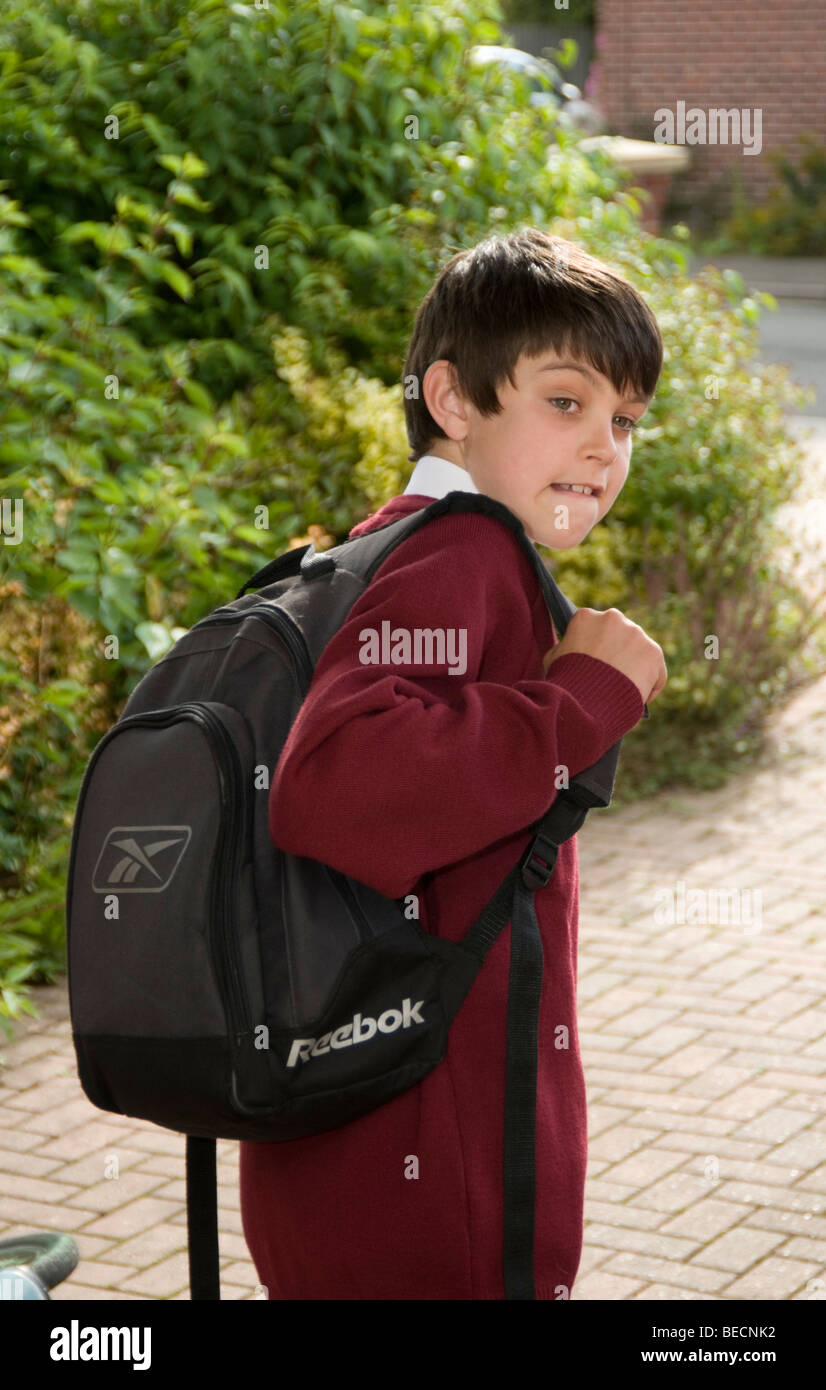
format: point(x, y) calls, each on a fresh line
point(534, 363)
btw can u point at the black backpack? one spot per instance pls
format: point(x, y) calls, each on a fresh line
point(193, 1009)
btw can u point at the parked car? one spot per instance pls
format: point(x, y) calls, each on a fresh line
point(547, 84)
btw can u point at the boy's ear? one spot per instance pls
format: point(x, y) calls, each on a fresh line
point(443, 398)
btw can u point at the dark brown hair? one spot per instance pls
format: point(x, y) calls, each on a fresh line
point(526, 293)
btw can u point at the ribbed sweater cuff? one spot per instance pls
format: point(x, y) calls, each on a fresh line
point(606, 694)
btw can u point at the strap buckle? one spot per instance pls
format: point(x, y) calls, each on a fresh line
point(538, 862)
point(315, 563)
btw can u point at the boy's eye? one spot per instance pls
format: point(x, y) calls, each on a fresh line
point(629, 426)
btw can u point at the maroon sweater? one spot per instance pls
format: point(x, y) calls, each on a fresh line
point(427, 784)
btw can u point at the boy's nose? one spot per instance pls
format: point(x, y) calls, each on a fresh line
point(602, 446)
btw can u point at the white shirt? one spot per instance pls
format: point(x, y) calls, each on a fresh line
point(436, 477)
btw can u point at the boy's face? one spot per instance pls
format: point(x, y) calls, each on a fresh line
point(563, 423)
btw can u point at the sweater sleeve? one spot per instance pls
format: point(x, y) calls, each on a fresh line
point(393, 771)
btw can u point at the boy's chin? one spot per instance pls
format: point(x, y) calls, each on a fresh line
point(559, 540)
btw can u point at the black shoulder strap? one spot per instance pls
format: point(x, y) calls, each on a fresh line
point(280, 568)
point(202, 1218)
point(363, 554)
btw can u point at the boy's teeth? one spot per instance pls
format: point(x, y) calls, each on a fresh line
point(575, 487)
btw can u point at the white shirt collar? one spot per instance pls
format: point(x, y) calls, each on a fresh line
point(436, 477)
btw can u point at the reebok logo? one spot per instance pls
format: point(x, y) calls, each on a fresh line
point(140, 858)
point(359, 1030)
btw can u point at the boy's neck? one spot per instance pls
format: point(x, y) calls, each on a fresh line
point(447, 449)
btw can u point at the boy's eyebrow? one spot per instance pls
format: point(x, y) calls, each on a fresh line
point(589, 376)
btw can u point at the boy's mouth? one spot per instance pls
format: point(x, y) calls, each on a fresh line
point(579, 489)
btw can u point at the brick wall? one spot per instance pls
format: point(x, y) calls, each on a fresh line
point(743, 54)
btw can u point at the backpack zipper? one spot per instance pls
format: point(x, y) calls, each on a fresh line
point(283, 624)
point(224, 944)
point(346, 890)
point(223, 949)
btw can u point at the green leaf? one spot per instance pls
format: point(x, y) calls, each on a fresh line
point(182, 235)
point(232, 443)
point(176, 278)
point(182, 192)
point(111, 239)
point(79, 561)
point(156, 638)
point(157, 132)
point(198, 395)
point(61, 692)
point(193, 166)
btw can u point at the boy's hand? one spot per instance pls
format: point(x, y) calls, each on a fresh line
point(612, 637)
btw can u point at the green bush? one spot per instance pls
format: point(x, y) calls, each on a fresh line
point(203, 328)
point(351, 142)
point(791, 221)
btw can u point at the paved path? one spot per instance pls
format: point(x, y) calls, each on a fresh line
point(704, 1042)
point(786, 277)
